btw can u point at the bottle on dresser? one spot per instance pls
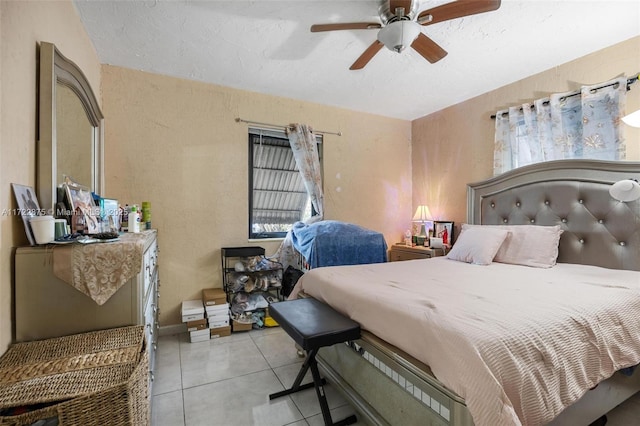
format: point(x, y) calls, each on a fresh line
point(146, 215)
point(134, 220)
point(125, 219)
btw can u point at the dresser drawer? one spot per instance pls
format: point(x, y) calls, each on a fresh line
point(149, 266)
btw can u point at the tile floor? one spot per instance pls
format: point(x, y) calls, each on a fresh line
point(226, 381)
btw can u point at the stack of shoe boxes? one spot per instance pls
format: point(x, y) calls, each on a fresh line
point(193, 317)
point(217, 311)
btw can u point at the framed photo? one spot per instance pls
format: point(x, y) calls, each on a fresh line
point(28, 207)
point(81, 201)
point(110, 213)
point(444, 230)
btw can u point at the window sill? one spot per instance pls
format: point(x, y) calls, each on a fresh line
point(257, 240)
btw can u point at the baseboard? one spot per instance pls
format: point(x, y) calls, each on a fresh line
point(168, 330)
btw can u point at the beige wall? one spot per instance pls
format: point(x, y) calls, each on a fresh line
point(454, 146)
point(22, 25)
point(175, 143)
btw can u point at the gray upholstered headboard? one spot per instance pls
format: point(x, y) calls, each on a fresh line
point(598, 230)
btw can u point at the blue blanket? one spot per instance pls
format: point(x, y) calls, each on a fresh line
point(332, 243)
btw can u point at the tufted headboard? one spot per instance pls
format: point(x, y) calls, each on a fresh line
point(598, 230)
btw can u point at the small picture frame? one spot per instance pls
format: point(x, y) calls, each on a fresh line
point(80, 200)
point(444, 230)
point(28, 207)
point(110, 213)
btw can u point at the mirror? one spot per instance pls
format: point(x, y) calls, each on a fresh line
point(73, 132)
point(71, 128)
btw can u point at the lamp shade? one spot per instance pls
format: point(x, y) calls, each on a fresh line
point(625, 190)
point(399, 35)
point(422, 214)
point(632, 119)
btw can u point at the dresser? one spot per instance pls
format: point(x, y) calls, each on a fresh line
point(47, 306)
point(400, 252)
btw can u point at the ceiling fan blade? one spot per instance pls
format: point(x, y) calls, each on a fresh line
point(457, 9)
point(366, 56)
point(428, 48)
point(345, 26)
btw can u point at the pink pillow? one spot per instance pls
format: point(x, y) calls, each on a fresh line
point(528, 245)
point(478, 245)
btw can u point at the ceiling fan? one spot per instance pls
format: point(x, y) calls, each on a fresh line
point(400, 26)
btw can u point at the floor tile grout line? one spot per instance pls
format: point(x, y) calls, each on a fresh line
point(184, 411)
point(230, 378)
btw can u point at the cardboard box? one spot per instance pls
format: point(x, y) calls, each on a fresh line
point(218, 316)
point(220, 331)
point(200, 324)
point(187, 318)
point(199, 335)
point(192, 310)
point(215, 322)
point(214, 296)
point(217, 309)
point(241, 326)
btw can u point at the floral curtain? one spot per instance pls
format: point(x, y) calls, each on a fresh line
point(305, 151)
point(565, 125)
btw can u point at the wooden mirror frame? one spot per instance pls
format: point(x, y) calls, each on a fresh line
point(55, 68)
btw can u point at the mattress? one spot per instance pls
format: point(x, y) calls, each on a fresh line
point(519, 344)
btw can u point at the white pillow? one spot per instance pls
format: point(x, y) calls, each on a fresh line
point(478, 245)
point(528, 245)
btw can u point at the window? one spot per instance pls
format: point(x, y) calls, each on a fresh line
point(277, 196)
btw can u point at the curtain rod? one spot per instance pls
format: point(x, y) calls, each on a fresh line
point(276, 126)
point(630, 81)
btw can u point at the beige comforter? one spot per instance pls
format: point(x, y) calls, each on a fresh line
point(519, 344)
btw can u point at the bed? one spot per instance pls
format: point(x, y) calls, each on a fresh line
point(523, 345)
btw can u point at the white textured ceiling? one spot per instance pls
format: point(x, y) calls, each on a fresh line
point(266, 46)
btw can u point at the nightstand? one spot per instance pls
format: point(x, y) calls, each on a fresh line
point(402, 252)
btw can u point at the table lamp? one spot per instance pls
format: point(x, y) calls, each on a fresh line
point(422, 215)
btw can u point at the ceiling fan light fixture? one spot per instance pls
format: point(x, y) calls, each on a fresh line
point(399, 35)
point(625, 190)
